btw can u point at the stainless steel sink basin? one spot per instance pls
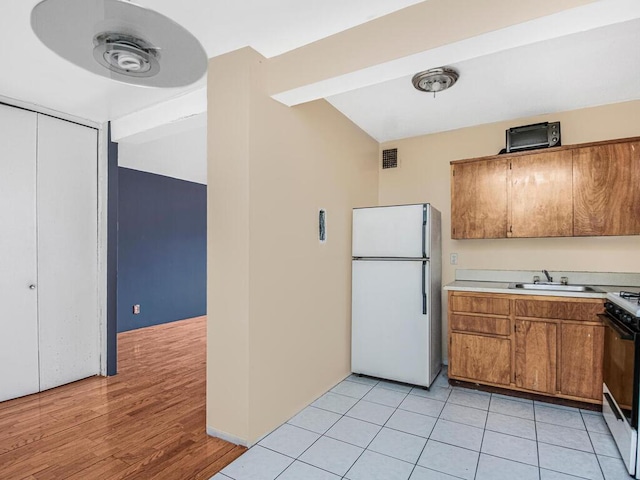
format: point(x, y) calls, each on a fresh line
point(556, 287)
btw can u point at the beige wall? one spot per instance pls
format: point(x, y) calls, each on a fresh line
point(423, 175)
point(279, 303)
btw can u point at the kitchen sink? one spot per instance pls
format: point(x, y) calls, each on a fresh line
point(556, 287)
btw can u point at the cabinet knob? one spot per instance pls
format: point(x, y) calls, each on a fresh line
point(32, 287)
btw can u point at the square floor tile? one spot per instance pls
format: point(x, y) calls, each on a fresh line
point(370, 412)
point(332, 455)
point(470, 398)
point(424, 406)
point(441, 381)
point(466, 415)
point(572, 462)
point(384, 396)
point(555, 405)
point(434, 393)
point(362, 379)
point(315, 419)
point(509, 447)
point(335, 402)
point(558, 416)
point(596, 423)
point(421, 473)
point(444, 458)
point(351, 389)
point(398, 387)
point(289, 440)
point(515, 426)
point(458, 434)
point(353, 431)
point(551, 475)
point(613, 468)
point(373, 466)
point(410, 422)
point(494, 468)
point(513, 398)
point(257, 463)
point(564, 437)
point(511, 407)
point(604, 444)
point(298, 471)
point(400, 445)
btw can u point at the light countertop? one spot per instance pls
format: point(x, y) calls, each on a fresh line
point(497, 281)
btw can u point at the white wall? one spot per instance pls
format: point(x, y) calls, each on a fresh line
point(180, 155)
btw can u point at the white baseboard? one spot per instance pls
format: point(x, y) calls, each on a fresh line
point(227, 437)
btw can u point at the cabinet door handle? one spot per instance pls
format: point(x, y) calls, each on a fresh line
point(32, 287)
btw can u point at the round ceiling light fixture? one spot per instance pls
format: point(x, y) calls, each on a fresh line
point(435, 80)
point(121, 41)
point(126, 54)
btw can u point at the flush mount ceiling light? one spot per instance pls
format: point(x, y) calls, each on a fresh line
point(435, 80)
point(121, 41)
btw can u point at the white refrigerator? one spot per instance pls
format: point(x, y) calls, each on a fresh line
point(396, 293)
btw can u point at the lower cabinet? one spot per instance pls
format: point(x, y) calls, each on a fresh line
point(581, 360)
point(535, 358)
point(540, 344)
point(470, 358)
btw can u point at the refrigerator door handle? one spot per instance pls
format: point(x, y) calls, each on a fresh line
point(424, 287)
point(424, 231)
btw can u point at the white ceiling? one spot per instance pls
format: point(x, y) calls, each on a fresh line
point(595, 67)
point(32, 73)
point(581, 57)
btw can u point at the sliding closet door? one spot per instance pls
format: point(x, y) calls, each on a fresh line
point(18, 273)
point(67, 252)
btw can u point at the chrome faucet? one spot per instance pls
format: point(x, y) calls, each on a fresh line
point(549, 277)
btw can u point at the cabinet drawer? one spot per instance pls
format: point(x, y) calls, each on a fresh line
point(471, 323)
point(562, 310)
point(478, 304)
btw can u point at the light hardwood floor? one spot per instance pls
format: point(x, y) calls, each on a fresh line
point(147, 422)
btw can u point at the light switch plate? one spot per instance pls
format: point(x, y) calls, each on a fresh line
point(136, 309)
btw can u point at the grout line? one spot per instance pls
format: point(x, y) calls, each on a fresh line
point(592, 446)
point(535, 428)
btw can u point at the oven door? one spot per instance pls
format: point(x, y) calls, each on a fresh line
point(620, 392)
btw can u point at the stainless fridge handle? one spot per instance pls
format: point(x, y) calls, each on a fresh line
point(424, 287)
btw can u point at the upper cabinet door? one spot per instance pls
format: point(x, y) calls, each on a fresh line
point(395, 231)
point(479, 199)
point(541, 203)
point(606, 193)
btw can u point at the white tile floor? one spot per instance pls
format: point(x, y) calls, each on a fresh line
point(365, 429)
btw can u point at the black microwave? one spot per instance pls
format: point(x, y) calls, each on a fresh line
point(529, 137)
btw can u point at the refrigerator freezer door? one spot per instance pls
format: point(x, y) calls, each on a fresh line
point(390, 332)
point(391, 231)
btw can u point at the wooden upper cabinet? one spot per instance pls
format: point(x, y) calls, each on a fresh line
point(540, 201)
point(606, 197)
point(479, 199)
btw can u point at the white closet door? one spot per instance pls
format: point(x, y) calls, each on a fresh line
point(18, 302)
point(67, 252)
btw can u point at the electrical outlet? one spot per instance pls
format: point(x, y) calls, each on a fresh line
point(136, 309)
point(453, 259)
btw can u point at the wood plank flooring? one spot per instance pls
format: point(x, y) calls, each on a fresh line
point(147, 422)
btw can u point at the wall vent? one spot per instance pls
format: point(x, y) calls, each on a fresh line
point(390, 158)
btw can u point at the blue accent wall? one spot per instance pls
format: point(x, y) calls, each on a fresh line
point(162, 249)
